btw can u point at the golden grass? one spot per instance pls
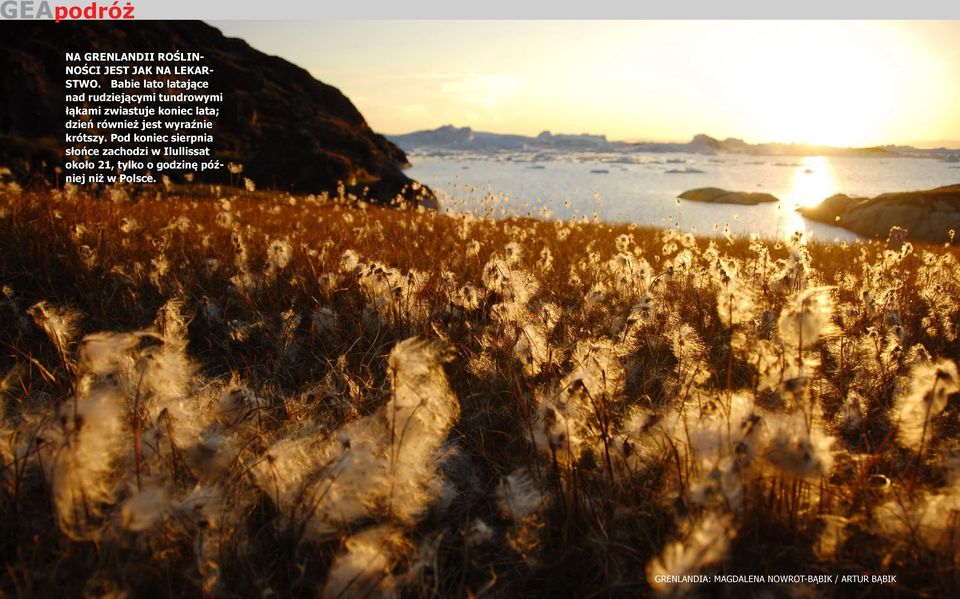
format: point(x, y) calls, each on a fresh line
point(631, 402)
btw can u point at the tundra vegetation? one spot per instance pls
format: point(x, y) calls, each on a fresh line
point(219, 392)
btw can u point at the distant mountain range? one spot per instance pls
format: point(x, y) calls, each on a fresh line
point(466, 139)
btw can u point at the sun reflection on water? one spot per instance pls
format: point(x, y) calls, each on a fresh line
point(813, 181)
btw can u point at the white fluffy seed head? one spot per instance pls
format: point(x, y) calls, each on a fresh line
point(144, 508)
point(531, 349)
point(921, 398)
point(808, 318)
point(81, 472)
point(363, 568)
point(518, 495)
point(101, 354)
point(705, 545)
point(796, 449)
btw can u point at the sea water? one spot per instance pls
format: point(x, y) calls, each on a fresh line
point(642, 188)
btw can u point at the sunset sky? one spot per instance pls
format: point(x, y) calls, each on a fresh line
point(836, 83)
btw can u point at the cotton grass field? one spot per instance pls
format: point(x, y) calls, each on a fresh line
point(227, 393)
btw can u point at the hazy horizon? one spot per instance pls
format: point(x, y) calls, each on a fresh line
point(837, 83)
point(921, 144)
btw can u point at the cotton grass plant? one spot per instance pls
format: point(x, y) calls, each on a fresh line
point(225, 392)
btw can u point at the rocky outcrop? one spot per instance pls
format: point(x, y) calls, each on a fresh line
point(926, 215)
point(288, 130)
point(715, 195)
